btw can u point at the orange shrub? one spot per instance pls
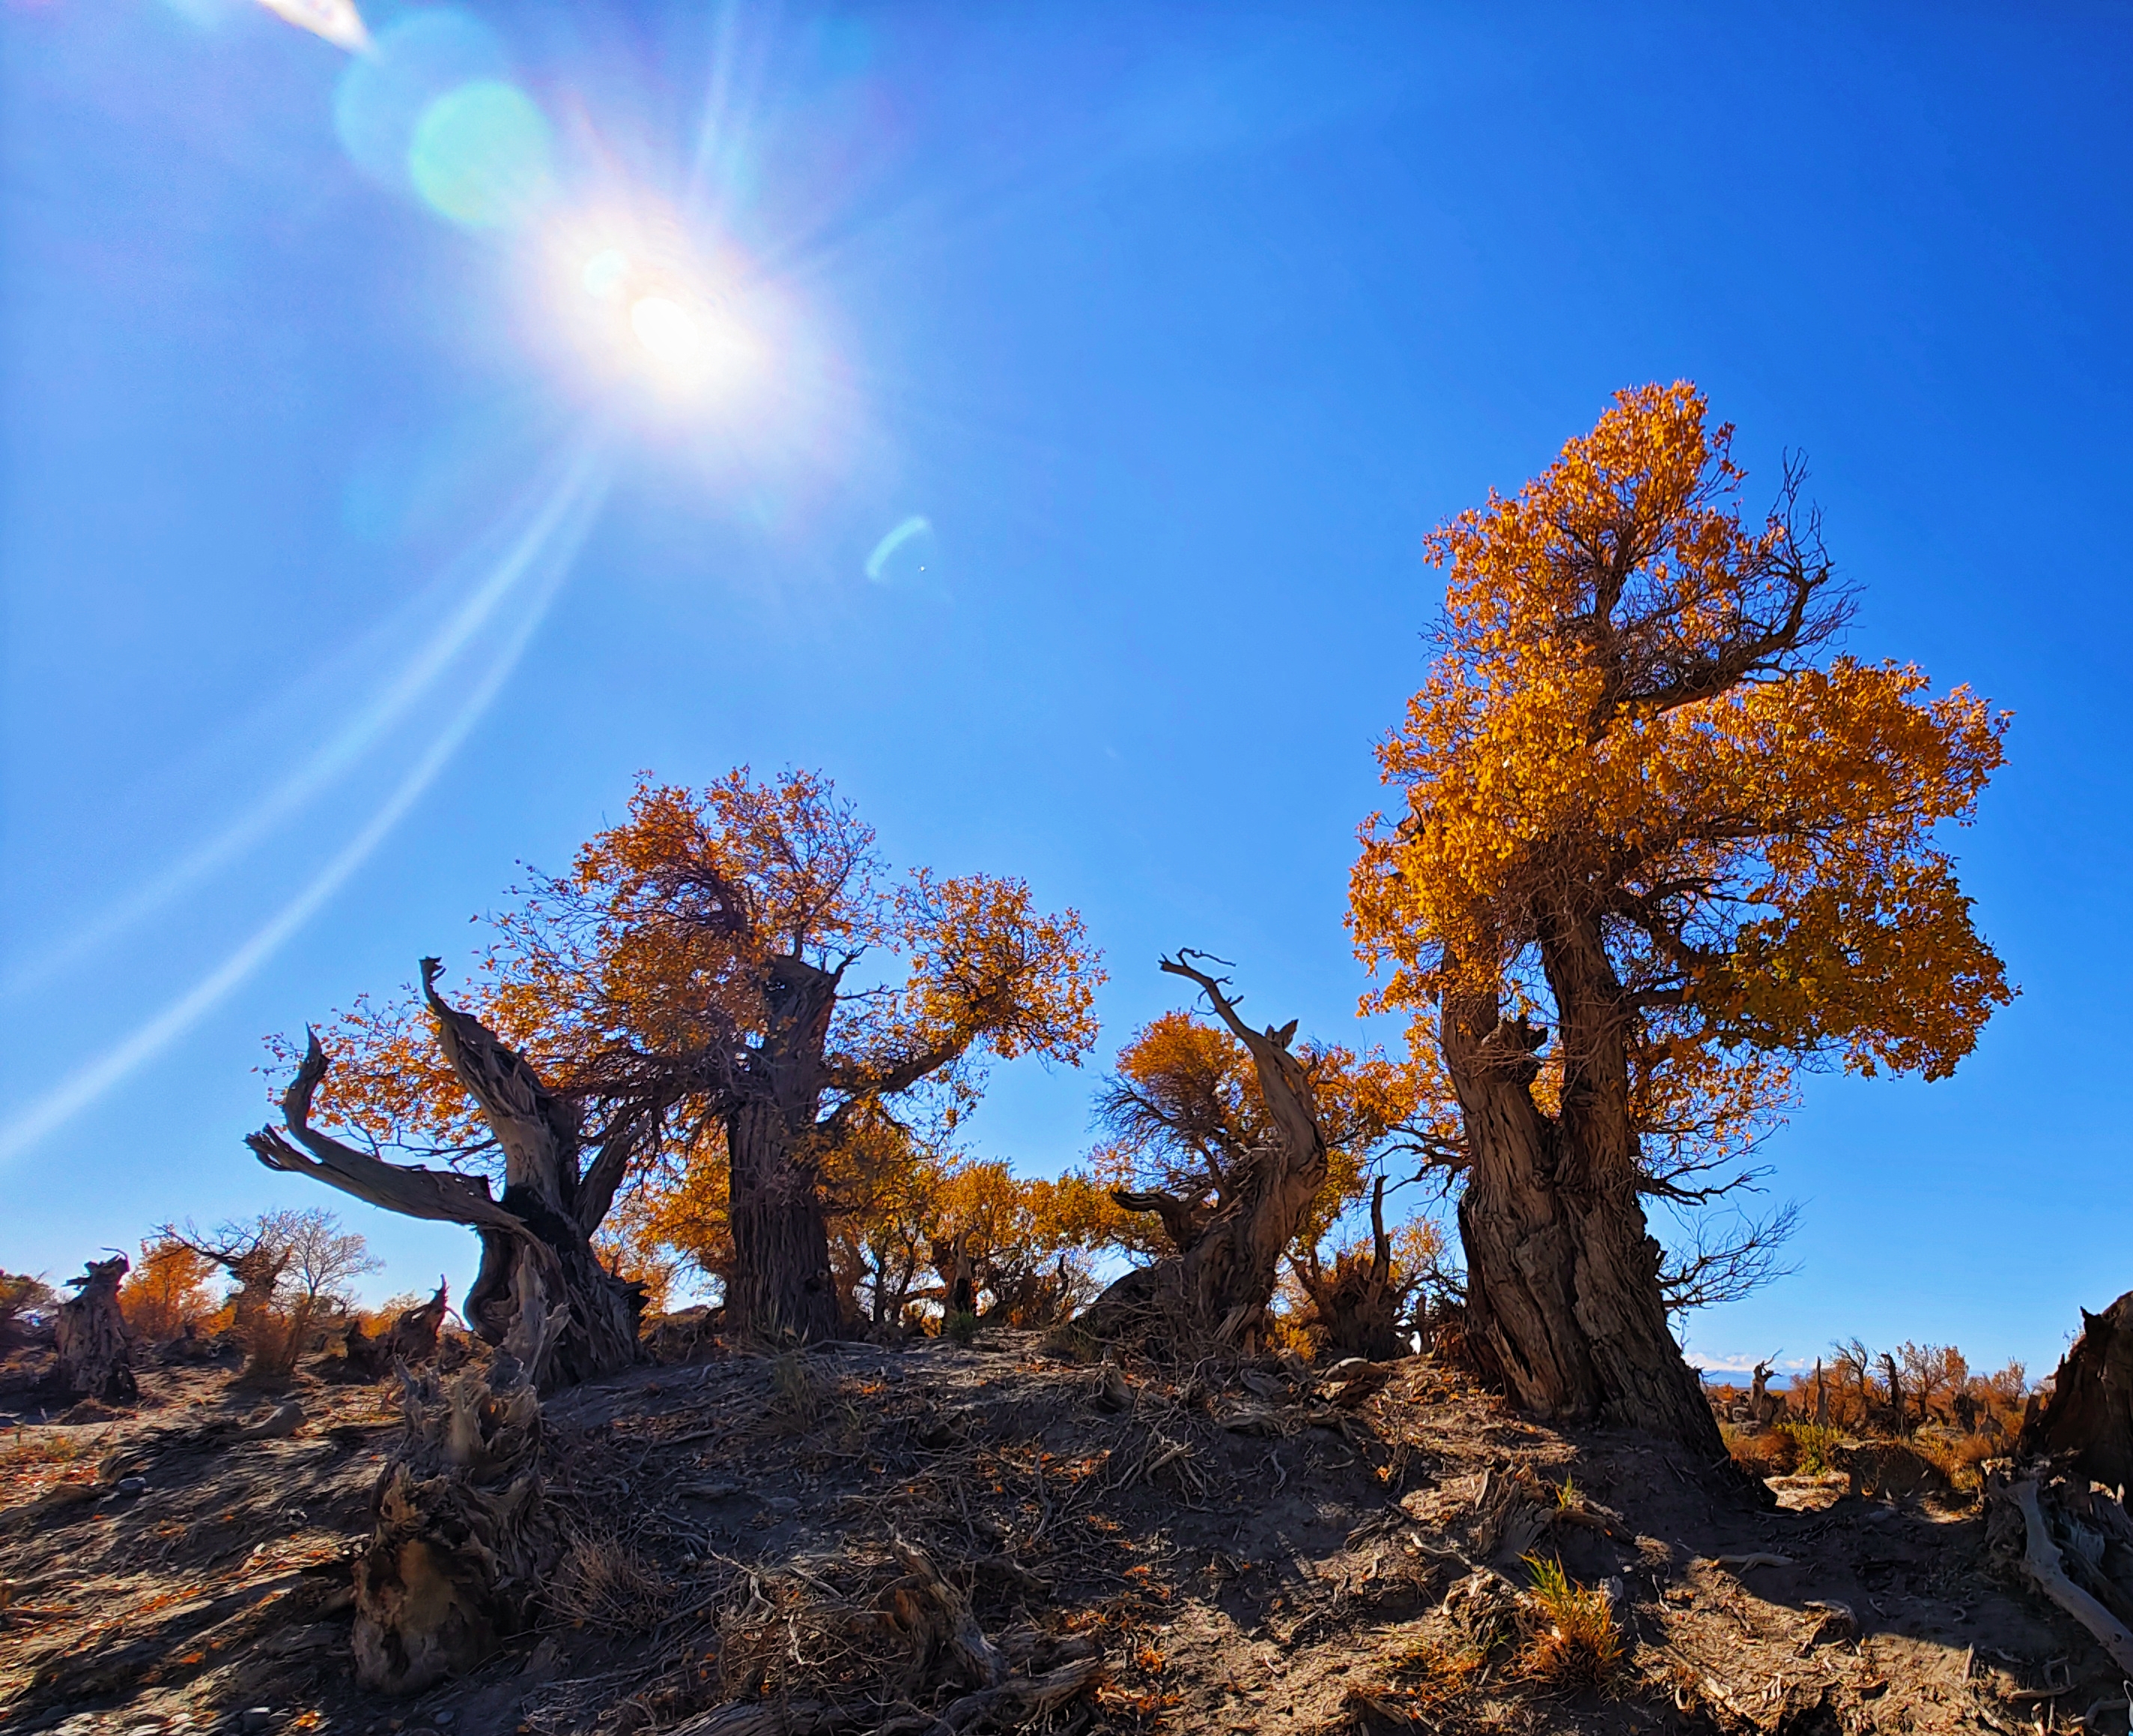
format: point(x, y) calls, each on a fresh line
point(167, 1287)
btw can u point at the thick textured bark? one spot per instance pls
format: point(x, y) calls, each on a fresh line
point(781, 1285)
point(547, 1189)
point(2089, 1411)
point(1564, 1306)
point(463, 1538)
point(95, 1349)
point(1216, 1287)
point(536, 1239)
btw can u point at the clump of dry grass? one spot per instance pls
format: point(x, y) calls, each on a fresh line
point(797, 1395)
point(23, 1450)
point(1961, 1459)
point(603, 1583)
point(1068, 1343)
point(1423, 1678)
point(1573, 1640)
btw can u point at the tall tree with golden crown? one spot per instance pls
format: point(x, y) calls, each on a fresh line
point(1659, 846)
point(730, 968)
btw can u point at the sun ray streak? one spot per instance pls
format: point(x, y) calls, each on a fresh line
point(582, 494)
point(340, 753)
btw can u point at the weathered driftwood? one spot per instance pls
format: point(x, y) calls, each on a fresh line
point(2042, 1562)
point(2089, 1414)
point(95, 1349)
point(1216, 1288)
point(463, 1536)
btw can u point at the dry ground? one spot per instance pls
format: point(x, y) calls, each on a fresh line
point(1254, 1551)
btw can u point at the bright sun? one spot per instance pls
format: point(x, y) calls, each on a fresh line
point(652, 312)
point(666, 329)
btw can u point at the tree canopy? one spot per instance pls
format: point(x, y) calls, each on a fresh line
point(1659, 843)
point(694, 985)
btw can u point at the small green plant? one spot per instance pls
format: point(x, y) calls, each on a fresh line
point(1575, 1641)
point(961, 1327)
point(1566, 1495)
point(1817, 1445)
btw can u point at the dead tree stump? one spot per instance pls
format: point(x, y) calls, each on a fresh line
point(464, 1539)
point(95, 1349)
point(2088, 1415)
point(411, 1338)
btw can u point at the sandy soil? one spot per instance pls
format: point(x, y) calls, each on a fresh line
point(1262, 1551)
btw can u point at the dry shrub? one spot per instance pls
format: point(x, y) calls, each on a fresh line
point(1572, 1641)
point(1892, 1468)
point(797, 1396)
point(1815, 1447)
point(1961, 1459)
point(603, 1583)
point(275, 1340)
point(27, 1305)
point(1763, 1453)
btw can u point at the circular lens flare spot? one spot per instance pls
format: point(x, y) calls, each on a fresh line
point(666, 329)
point(480, 154)
point(605, 273)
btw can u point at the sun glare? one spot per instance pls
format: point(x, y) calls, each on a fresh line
point(667, 330)
point(654, 312)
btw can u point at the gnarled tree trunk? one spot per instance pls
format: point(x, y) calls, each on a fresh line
point(781, 1285)
point(95, 1349)
point(411, 1340)
point(1563, 1305)
point(537, 1239)
point(1216, 1288)
point(2088, 1413)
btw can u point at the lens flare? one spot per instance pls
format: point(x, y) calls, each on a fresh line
point(480, 154)
point(606, 273)
point(381, 95)
point(337, 21)
point(877, 564)
point(536, 566)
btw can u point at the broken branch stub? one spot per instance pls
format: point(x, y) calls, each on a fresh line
point(2089, 1414)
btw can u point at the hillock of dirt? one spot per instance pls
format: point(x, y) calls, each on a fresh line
point(940, 1538)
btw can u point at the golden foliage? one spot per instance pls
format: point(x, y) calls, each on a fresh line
point(645, 985)
point(1183, 1110)
point(1624, 725)
point(167, 1287)
point(640, 972)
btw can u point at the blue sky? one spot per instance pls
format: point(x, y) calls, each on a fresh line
point(351, 555)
